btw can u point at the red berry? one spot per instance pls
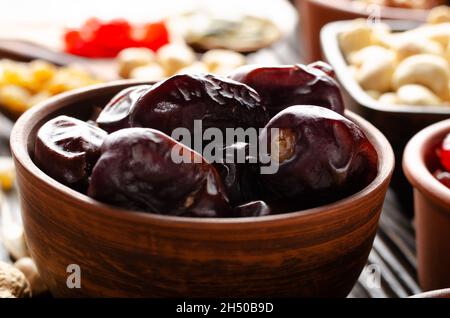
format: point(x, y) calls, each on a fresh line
point(445, 153)
point(155, 35)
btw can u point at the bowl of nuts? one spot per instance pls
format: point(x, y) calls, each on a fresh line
point(426, 163)
point(395, 74)
point(115, 189)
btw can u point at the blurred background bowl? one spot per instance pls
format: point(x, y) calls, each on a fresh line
point(397, 122)
point(432, 207)
point(314, 14)
point(311, 253)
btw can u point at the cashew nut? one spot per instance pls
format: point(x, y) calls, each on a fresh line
point(413, 94)
point(388, 99)
point(408, 46)
point(376, 74)
point(369, 54)
point(428, 70)
point(13, 283)
point(195, 68)
point(357, 36)
point(129, 59)
point(438, 15)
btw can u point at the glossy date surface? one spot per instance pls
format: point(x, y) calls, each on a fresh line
point(67, 148)
point(322, 157)
point(136, 170)
point(218, 102)
point(284, 86)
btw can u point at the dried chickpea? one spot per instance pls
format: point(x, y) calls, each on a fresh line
point(151, 72)
point(222, 61)
point(28, 267)
point(131, 58)
point(173, 57)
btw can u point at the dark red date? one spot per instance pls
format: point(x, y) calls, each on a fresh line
point(116, 114)
point(67, 148)
point(181, 99)
point(284, 86)
point(322, 156)
point(136, 170)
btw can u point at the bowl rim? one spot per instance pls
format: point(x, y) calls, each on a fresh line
point(333, 54)
point(362, 9)
point(415, 168)
point(31, 118)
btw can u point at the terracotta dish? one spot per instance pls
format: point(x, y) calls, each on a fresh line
point(313, 253)
point(432, 207)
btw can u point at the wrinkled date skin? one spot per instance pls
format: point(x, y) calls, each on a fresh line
point(67, 149)
point(322, 157)
point(181, 99)
point(284, 86)
point(116, 114)
point(136, 171)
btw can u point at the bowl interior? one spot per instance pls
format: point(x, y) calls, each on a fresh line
point(80, 104)
point(420, 160)
point(332, 52)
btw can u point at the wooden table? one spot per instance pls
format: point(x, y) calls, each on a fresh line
point(391, 269)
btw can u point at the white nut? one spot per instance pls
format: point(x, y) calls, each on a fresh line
point(369, 54)
point(376, 74)
point(151, 72)
point(195, 68)
point(439, 14)
point(129, 59)
point(27, 266)
point(222, 61)
point(417, 95)
point(388, 99)
point(357, 36)
point(173, 57)
point(408, 46)
point(428, 70)
point(436, 32)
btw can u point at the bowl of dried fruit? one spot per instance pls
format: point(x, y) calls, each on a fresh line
point(109, 187)
point(426, 163)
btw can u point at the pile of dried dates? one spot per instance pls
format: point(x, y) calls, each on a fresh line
point(139, 153)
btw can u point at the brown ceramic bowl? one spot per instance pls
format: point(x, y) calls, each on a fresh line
point(314, 14)
point(397, 122)
point(432, 207)
point(317, 252)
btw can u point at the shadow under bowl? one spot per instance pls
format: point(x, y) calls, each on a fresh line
point(313, 253)
point(432, 207)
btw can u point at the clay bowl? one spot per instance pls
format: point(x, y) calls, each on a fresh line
point(432, 207)
point(312, 253)
point(397, 122)
point(314, 14)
